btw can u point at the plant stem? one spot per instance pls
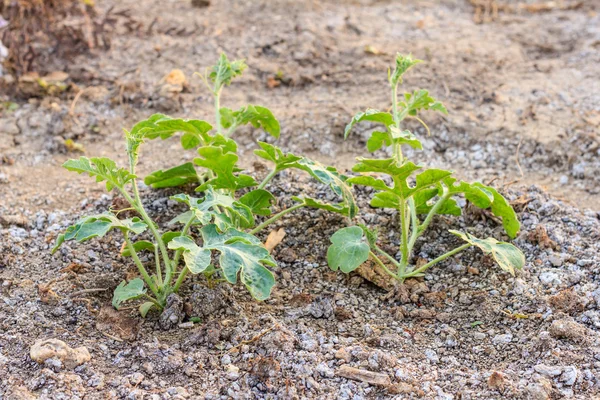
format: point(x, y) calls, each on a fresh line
point(267, 179)
point(180, 279)
point(139, 264)
point(158, 269)
point(153, 300)
point(433, 211)
point(275, 218)
point(217, 93)
point(404, 245)
point(415, 224)
point(382, 265)
point(396, 146)
point(142, 211)
point(389, 257)
point(437, 260)
point(184, 232)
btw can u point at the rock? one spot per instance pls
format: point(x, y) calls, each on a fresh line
point(567, 301)
point(173, 313)
point(362, 375)
point(324, 370)
point(322, 307)
point(43, 350)
point(502, 339)
point(568, 329)
point(496, 381)
point(546, 370)
point(206, 302)
point(550, 279)
point(233, 372)
point(569, 375)
point(555, 260)
point(343, 354)
point(432, 356)
point(537, 391)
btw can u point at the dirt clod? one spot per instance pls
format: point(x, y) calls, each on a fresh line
point(46, 349)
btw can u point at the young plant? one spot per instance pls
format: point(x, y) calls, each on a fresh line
point(431, 192)
point(221, 220)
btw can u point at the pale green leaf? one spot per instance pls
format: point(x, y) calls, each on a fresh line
point(258, 116)
point(223, 166)
point(177, 176)
point(259, 201)
point(196, 258)
point(128, 291)
point(103, 169)
point(146, 307)
point(371, 115)
point(138, 246)
point(508, 256)
point(348, 250)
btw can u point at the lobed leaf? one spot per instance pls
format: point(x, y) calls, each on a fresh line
point(259, 201)
point(196, 259)
point(177, 176)
point(507, 256)
point(405, 137)
point(98, 226)
point(371, 115)
point(403, 64)
point(103, 169)
point(223, 165)
point(258, 116)
point(242, 254)
point(421, 100)
point(224, 71)
point(221, 209)
point(502, 209)
point(274, 154)
point(138, 246)
point(128, 291)
point(347, 250)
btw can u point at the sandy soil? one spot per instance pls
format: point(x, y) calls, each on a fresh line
point(524, 103)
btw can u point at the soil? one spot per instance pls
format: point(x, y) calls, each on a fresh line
point(524, 103)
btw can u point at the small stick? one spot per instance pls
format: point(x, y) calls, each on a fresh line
point(84, 291)
point(517, 156)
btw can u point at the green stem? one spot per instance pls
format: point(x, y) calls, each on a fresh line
point(415, 224)
point(382, 265)
point(140, 209)
point(153, 300)
point(139, 264)
point(386, 255)
point(268, 178)
point(158, 269)
point(180, 279)
point(404, 245)
point(184, 232)
point(217, 93)
point(275, 218)
point(437, 260)
point(396, 146)
point(433, 211)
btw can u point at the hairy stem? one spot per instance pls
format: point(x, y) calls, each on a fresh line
point(437, 260)
point(139, 264)
point(180, 279)
point(415, 224)
point(382, 265)
point(217, 94)
point(433, 212)
point(386, 255)
point(184, 232)
point(268, 178)
point(154, 301)
point(404, 231)
point(275, 218)
point(396, 146)
point(158, 269)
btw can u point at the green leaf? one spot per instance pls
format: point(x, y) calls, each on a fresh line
point(128, 291)
point(258, 116)
point(213, 208)
point(378, 140)
point(224, 71)
point(223, 165)
point(103, 169)
point(502, 209)
point(405, 137)
point(176, 176)
point(392, 196)
point(161, 126)
point(138, 246)
point(244, 255)
point(259, 201)
point(98, 226)
point(506, 255)
point(348, 250)
point(371, 115)
point(330, 176)
point(196, 259)
point(421, 100)
point(275, 155)
point(339, 208)
point(170, 235)
point(403, 64)
point(146, 307)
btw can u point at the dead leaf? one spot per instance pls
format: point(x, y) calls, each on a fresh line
point(175, 77)
point(274, 238)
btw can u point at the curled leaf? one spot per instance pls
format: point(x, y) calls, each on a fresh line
point(348, 249)
point(128, 291)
